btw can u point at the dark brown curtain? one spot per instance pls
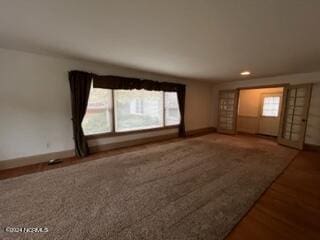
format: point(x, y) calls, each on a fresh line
point(115, 82)
point(181, 100)
point(80, 83)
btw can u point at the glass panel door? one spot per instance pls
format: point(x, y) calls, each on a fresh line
point(294, 116)
point(228, 105)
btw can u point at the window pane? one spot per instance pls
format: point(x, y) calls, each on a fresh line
point(271, 106)
point(172, 113)
point(138, 109)
point(98, 118)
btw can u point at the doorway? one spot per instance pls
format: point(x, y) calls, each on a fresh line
point(280, 112)
point(259, 111)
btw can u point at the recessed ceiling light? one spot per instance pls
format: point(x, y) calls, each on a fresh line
point(245, 73)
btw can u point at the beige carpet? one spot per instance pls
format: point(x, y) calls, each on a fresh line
point(197, 188)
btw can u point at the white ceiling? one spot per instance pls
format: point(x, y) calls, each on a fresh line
point(201, 39)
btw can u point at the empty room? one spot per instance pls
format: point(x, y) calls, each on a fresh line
point(159, 120)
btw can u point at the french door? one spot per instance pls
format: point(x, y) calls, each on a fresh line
point(228, 107)
point(294, 115)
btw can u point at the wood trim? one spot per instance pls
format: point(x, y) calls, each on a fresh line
point(243, 116)
point(199, 132)
point(101, 151)
point(23, 161)
point(272, 138)
point(265, 86)
point(312, 147)
point(44, 158)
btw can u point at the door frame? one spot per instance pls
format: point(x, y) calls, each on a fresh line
point(265, 86)
point(283, 85)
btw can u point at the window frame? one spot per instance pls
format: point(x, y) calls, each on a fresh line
point(279, 108)
point(113, 132)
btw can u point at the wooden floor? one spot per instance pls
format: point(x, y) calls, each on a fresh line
point(289, 209)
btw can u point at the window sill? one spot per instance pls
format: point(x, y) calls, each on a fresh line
point(115, 134)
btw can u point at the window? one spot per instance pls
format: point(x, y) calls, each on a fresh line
point(138, 109)
point(98, 118)
point(136, 106)
point(271, 106)
point(112, 111)
point(172, 113)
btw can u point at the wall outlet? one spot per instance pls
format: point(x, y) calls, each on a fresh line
point(54, 161)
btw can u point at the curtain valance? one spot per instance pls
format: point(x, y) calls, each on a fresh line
point(115, 82)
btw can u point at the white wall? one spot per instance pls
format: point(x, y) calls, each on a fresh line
point(35, 109)
point(313, 128)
